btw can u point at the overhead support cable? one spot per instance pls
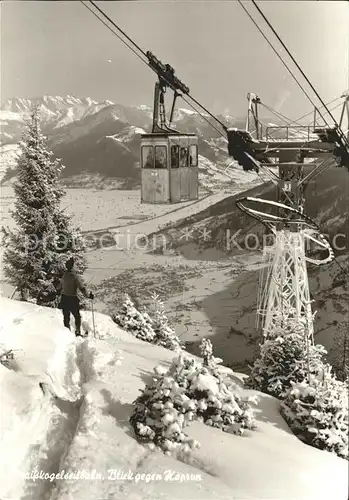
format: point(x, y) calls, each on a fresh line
point(279, 115)
point(302, 73)
point(277, 53)
point(145, 60)
point(118, 28)
point(289, 121)
point(112, 31)
point(204, 117)
point(311, 112)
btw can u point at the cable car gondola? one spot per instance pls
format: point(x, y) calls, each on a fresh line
point(169, 158)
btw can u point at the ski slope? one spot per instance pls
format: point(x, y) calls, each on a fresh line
point(85, 430)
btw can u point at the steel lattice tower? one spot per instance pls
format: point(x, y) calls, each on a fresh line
point(290, 157)
point(287, 294)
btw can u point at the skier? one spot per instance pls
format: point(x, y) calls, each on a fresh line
point(69, 285)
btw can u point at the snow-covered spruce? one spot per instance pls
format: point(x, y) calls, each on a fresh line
point(285, 357)
point(208, 358)
point(132, 320)
point(185, 392)
point(317, 412)
point(164, 333)
point(36, 250)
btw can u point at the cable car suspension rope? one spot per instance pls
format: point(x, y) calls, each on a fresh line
point(301, 71)
point(290, 122)
point(110, 29)
point(146, 62)
point(278, 55)
point(311, 112)
point(115, 26)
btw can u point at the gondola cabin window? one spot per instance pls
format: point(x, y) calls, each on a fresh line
point(193, 155)
point(174, 156)
point(160, 156)
point(184, 157)
point(147, 157)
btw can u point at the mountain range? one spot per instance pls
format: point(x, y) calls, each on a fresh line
point(101, 140)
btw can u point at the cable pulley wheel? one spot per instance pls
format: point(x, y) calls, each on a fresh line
point(270, 219)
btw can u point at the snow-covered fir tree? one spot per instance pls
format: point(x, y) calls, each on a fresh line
point(185, 392)
point(208, 358)
point(164, 333)
point(132, 320)
point(285, 356)
point(317, 411)
point(36, 250)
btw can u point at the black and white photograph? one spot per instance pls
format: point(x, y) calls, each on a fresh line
point(174, 245)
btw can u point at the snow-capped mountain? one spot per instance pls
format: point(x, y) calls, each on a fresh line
point(55, 112)
point(53, 106)
point(103, 138)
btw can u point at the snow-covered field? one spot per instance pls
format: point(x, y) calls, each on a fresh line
point(85, 430)
point(94, 209)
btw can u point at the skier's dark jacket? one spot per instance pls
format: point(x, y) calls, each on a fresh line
point(71, 283)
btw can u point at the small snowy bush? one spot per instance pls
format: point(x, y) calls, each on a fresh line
point(285, 357)
point(317, 412)
point(134, 321)
point(185, 392)
point(164, 333)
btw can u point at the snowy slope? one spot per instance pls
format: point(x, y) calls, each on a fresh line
point(37, 331)
point(267, 463)
point(44, 353)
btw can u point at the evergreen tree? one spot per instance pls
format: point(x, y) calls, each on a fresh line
point(164, 333)
point(134, 321)
point(35, 252)
point(209, 360)
point(318, 412)
point(286, 356)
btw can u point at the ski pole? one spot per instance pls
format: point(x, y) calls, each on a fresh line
point(93, 319)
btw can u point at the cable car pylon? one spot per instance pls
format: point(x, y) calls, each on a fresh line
point(296, 154)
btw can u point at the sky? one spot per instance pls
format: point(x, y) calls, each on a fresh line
point(59, 48)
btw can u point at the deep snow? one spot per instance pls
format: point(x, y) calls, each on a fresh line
point(86, 428)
